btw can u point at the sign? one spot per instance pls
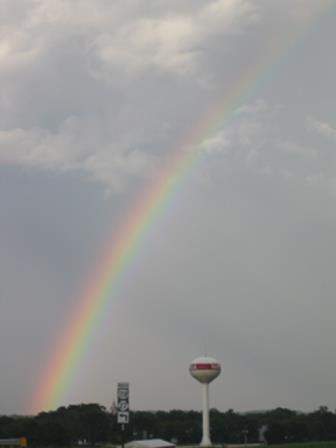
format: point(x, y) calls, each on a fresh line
point(123, 403)
point(22, 442)
point(123, 418)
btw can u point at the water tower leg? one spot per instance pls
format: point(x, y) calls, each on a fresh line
point(206, 430)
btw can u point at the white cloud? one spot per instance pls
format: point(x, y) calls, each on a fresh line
point(243, 134)
point(53, 56)
point(73, 148)
point(119, 38)
point(133, 127)
point(218, 143)
point(322, 128)
point(255, 140)
point(170, 42)
point(18, 49)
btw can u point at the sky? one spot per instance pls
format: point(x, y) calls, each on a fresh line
point(96, 96)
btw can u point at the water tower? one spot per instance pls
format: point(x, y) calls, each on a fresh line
point(205, 370)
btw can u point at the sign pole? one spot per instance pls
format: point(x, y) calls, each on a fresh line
point(123, 408)
point(122, 436)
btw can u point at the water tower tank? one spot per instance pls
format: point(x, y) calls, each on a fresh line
point(205, 369)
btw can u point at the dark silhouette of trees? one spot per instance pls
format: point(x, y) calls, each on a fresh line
point(92, 424)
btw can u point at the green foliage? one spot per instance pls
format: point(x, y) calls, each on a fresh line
point(306, 445)
point(91, 424)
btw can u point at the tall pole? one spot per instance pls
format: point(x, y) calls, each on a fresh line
point(206, 432)
point(122, 436)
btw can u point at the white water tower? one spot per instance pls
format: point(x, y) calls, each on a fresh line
point(205, 370)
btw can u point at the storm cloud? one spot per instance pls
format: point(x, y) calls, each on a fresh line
point(95, 98)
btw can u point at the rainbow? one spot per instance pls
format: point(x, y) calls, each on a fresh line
point(115, 262)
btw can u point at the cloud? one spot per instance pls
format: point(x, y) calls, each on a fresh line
point(117, 37)
point(87, 86)
point(260, 140)
point(169, 43)
point(296, 149)
point(107, 91)
point(74, 148)
point(110, 90)
point(322, 128)
point(244, 135)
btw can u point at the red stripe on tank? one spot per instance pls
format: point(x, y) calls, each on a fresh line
point(204, 366)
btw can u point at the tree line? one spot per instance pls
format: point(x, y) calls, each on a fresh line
point(92, 424)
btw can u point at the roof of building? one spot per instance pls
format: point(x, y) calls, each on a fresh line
point(149, 443)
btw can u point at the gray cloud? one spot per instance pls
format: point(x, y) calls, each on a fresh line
point(322, 128)
point(95, 97)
